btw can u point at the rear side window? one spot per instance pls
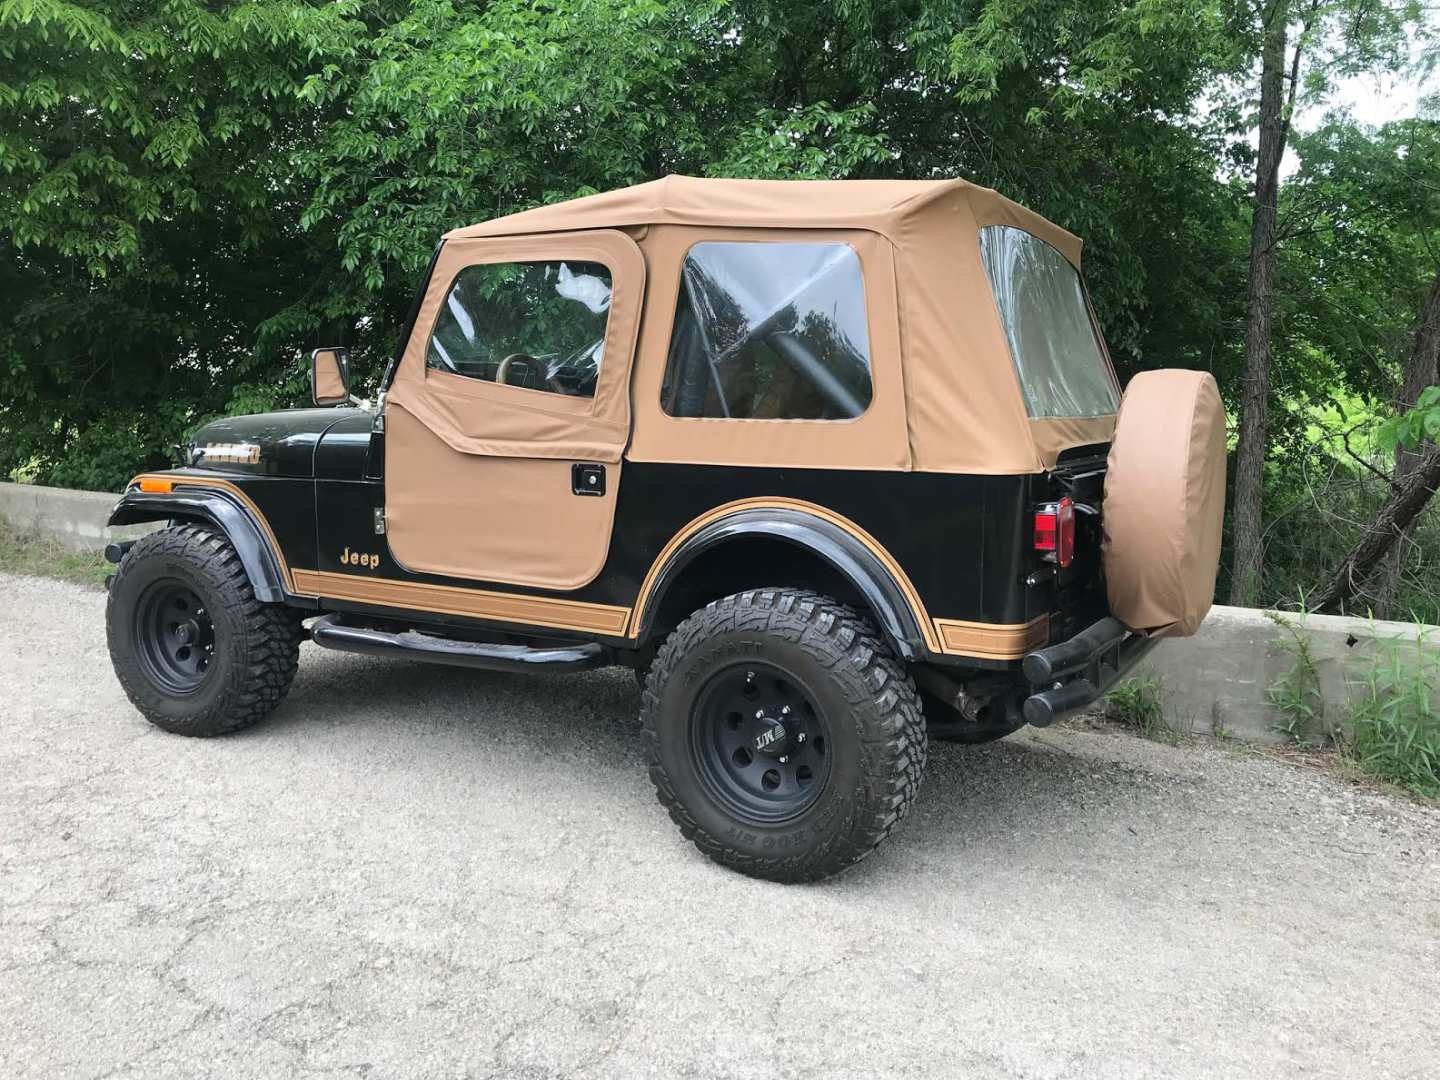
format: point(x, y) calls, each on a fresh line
point(769, 331)
point(535, 325)
point(1053, 341)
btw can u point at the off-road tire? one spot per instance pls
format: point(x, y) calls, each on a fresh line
point(256, 646)
point(871, 709)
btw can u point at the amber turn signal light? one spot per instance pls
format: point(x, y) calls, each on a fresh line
point(152, 485)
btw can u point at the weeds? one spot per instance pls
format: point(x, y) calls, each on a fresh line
point(1393, 718)
point(1394, 723)
point(1137, 704)
point(1296, 695)
point(26, 554)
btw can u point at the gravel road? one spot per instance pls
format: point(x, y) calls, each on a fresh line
point(414, 871)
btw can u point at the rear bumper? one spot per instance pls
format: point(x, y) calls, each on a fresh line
point(1078, 672)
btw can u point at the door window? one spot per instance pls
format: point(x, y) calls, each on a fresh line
point(535, 325)
point(769, 331)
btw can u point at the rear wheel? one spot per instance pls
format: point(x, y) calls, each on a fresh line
point(785, 740)
point(193, 649)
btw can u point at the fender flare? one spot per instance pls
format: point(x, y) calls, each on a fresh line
point(267, 574)
point(842, 551)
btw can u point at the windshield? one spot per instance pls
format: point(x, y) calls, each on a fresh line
point(1047, 321)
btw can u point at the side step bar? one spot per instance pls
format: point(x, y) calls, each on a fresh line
point(329, 633)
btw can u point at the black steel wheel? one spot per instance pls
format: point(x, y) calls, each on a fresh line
point(174, 637)
point(784, 738)
point(196, 653)
point(760, 744)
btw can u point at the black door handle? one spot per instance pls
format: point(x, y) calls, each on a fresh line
point(587, 479)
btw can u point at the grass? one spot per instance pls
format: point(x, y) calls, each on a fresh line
point(1393, 729)
point(1138, 704)
point(23, 553)
point(1296, 695)
point(1394, 719)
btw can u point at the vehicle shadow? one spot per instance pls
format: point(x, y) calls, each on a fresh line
point(986, 798)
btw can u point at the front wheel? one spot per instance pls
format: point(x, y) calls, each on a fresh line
point(784, 738)
point(194, 650)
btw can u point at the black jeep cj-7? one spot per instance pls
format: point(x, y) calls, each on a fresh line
point(837, 467)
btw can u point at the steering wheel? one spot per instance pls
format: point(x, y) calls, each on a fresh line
point(502, 373)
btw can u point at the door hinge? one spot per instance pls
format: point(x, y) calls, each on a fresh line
point(379, 521)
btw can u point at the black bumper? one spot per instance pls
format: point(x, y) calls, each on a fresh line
point(1078, 672)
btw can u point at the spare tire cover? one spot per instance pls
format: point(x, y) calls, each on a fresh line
point(1165, 502)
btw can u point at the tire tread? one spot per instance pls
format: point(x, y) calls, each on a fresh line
point(272, 633)
point(893, 734)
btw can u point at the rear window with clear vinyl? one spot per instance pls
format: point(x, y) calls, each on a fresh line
point(1047, 322)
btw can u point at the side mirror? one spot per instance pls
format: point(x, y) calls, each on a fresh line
point(330, 376)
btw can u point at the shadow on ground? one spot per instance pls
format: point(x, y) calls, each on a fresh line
point(1025, 784)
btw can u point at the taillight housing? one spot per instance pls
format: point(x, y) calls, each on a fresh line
point(1055, 531)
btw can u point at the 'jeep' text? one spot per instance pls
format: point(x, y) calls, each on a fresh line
point(356, 558)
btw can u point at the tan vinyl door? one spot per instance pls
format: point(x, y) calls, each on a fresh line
point(510, 410)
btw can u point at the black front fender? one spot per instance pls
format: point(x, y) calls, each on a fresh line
point(217, 508)
point(839, 549)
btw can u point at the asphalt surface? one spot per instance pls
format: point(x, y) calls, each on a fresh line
point(415, 871)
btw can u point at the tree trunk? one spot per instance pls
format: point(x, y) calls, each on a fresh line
point(1399, 511)
point(1255, 379)
point(1421, 369)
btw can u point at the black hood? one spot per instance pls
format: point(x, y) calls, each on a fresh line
point(268, 444)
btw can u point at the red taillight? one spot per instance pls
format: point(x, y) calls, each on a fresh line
point(1055, 531)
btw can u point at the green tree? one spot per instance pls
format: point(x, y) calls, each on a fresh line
point(1359, 229)
point(149, 210)
point(1291, 42)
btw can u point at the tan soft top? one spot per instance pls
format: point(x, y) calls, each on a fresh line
point(955, 402)
point(884, 206)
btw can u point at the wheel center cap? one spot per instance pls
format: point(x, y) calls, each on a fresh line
point(771, 738)
point(187, 632)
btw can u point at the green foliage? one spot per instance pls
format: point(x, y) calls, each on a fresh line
point(1318, 502)
point(148, 199)
point(1360, 222)
point(1139, 704)
point(1393, 709)
point(1360, 228)
point(1297, 695)
point(1414, 426)
point(194, 194)
point(1395, 719)
point(806, 142)
point(34, 556)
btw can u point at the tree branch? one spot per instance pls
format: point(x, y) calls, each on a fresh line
point(1404, 504)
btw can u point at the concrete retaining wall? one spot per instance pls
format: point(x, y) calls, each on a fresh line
point(1218, 681)
point(74, 518)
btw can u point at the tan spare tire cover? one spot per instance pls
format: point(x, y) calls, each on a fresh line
point(1165, 502)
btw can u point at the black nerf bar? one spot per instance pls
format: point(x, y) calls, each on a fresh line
point(116, 551)
point(1046, 665)
point(330, 633)
point(1106, 660)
